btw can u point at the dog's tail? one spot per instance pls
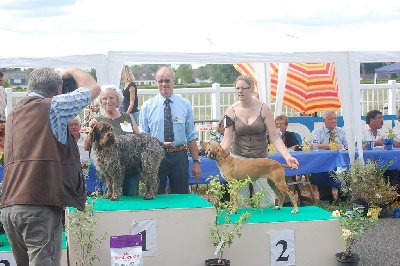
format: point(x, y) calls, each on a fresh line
point(285, 165)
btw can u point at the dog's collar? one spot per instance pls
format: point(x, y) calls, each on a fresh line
point(222, 158)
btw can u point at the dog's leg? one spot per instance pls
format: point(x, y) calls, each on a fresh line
point(108, 194)
point(282, 187)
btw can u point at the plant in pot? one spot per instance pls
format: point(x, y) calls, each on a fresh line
point(230, 220)
point(354, 224)
point(388, 140)
point(81, 230)
point(365, 183)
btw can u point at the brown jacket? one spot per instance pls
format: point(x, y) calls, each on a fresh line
point(38, 169)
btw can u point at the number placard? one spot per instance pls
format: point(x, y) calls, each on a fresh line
point(148, 230)
point(282, 248)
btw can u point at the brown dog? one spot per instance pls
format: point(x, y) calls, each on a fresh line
point(235, 168)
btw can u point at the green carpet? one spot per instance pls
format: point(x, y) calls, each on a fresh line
point(166, 201)
point(7, 247)
point(269, 215)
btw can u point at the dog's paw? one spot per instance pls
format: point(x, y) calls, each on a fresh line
point(149, 196)
point(114, 198)
point(107, 196)
point(277, 208)
point(294, 211)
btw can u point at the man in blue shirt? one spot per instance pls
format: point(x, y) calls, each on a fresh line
point(177, 136)
point(327, 133)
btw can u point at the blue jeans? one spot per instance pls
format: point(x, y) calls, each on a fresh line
point(136, 116)
point(130, 187)
point(131, 184)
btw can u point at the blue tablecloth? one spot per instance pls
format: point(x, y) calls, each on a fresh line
point(312, 162)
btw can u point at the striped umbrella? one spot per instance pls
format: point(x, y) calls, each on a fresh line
point(310, 87)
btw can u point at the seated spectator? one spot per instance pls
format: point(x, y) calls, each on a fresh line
point(323, 135)
point(396, 130)
point(289, 138)
point(89, 172)
point(75, 129)
point(372, 131)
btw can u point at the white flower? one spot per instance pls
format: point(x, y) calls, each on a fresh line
point(336, 214)
point(346, 233)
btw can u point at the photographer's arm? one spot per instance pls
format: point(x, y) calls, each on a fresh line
point(82, 79)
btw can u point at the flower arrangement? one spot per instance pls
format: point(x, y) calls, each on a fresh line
point(390, 134)
point(354, 224)
point(80, 228)
point(365, 181)
point(308, 140)
point(306, 143)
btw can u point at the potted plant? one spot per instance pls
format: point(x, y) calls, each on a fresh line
point(230, 220)
point(388, 140)
point(354, 224)
point(81, 231)
point(365, 182)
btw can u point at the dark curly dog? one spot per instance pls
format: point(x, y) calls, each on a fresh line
point(114, 154)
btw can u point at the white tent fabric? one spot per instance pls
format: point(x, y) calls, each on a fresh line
point(347, 64)
point(98, 61)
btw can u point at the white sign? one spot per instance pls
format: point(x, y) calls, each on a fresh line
point(148, 230)
point(282, 248)
point(7, 259)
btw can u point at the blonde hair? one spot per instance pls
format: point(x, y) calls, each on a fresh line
point(126, 74)
point(246, 78)
point(283, 118)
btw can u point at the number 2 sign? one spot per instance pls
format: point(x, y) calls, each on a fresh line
point(282, 248)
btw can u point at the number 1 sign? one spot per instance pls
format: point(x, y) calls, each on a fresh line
point(282, 248)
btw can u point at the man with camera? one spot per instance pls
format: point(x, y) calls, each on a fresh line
point(42, 173)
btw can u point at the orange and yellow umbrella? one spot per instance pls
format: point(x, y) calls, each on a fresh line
point(310, 87)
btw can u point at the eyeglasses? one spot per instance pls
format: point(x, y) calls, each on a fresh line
point(108, 98)
point(164, 80)
point(242, 89)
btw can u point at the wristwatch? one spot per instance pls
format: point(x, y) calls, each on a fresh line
point(196, 161)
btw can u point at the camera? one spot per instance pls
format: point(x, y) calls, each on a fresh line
point(69, 85)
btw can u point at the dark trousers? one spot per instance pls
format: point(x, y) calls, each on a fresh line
point(175, 167)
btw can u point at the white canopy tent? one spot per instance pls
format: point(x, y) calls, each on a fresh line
point(98, 61)
point(347, 63)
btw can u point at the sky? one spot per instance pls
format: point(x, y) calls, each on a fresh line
point(48, 28)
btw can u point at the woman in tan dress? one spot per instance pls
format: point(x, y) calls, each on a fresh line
point(248, 125)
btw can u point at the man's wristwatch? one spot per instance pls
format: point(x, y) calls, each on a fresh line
point(196, 161)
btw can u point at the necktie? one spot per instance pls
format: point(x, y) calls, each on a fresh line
point(332, 136)
point(168, 125)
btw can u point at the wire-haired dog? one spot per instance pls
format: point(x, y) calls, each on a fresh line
point(114, 154)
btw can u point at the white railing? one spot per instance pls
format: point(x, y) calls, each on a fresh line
point(209, 104)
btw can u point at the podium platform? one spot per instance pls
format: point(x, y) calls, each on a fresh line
point(181, 225)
